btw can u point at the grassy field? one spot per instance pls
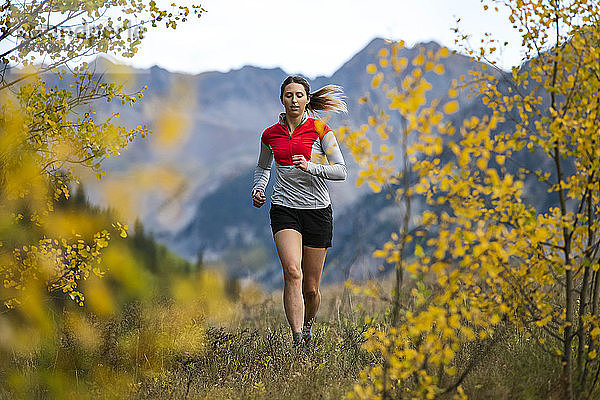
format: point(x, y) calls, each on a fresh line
point(251, 357)
point(171, 349)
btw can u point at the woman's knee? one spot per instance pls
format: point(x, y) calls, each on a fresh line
point(310, 291)
point(292, 272)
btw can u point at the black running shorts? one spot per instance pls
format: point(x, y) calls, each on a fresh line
point(315, 225)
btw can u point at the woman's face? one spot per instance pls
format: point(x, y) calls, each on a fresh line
point(294, 99)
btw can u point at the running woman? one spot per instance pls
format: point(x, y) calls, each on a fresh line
point(301, 215)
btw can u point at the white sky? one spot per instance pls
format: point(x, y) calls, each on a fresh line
point(312, 37)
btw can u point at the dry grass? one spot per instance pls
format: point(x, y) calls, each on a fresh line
point(252, 357)
point(158, 349)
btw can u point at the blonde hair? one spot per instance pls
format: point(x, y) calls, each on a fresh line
point(328, 98)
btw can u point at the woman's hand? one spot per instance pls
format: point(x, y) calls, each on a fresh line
point(300, 162)
point(258, 199)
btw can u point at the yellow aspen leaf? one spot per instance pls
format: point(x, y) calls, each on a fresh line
point(454, 321)
point(448, 353)
point(544, 321)
point(592, 354)
point(451, 107)
point(379, 254)
point(419, 60)
point(444, 52)
point(371, 68)
point(401, 63)
point(482, 163)
point(374, 187)
point(419, 251)
point(376, 80)
point(439, 69)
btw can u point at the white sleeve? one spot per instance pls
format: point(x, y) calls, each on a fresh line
point(262, 172)
point(337, 169)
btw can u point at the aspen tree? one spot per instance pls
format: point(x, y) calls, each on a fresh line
point(492, 255)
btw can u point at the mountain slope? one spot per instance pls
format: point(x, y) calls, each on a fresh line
point(225, 114)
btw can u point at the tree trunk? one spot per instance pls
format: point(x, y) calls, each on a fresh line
point(567, 381)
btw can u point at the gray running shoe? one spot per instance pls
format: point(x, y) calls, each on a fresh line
point(297, 340)
point(306, 335)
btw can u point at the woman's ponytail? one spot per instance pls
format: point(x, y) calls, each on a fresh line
point(328, 98)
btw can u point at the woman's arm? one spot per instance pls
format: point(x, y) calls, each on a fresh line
point(337, 170)
point(262, 172)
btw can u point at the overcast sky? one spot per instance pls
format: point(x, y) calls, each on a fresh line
point(312, 37)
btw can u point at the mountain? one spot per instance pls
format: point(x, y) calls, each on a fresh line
point(225, 113)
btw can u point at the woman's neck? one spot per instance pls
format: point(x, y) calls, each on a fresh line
point(293, 122)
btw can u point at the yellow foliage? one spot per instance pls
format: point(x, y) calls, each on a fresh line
point(419, 60)
point(50, 136)
point(492, 258)
point(451, 107)
point(171, 128)
point(377, 80)
point(99, 297)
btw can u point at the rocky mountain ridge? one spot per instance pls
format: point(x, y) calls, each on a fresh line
point(225, 114)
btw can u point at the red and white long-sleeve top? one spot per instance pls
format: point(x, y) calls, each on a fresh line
point(294, 187)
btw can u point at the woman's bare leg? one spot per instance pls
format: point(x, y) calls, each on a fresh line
point(289, 248)
point(313, 260)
